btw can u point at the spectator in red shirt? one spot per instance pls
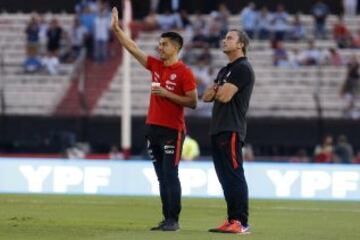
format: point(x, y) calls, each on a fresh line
point(324, 152)
point(173, 88)
point(356, 159)
point(341, 34)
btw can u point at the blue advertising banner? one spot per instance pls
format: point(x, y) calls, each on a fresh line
point(198, 179)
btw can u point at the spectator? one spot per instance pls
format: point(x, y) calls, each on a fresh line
point(206, 54)
point(51, 63)
point(343, 151)
point(84, 4)
point(189, 56)
point(185, 19)
point(201, 72)
point(356, 159)
point(101, 35)
point(78, 34)
point(214, 32)
point(43, 28)
point(294, 57)
point(356, 40)
point(169, 21)
point(32, 64)
point(199, 40)
point(87, 19)
point(75, 152)
point(300, 157)
point(54, 35)
point(280, 23)
point(199, 24)
point(115, 154)
point(248, 18)
point(264, 24)
point(151, 21)
point(222, 14)
point(32, 36)
point(324, 152)
point(333, 58)
point(350, 85)
point(297, 30)
point(280, 56)
point(350, 7)
point(320, 12)
point(103, 6)
point(341, 34)
point(311, 56)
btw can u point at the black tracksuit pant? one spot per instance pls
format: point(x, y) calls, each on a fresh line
point(227, 157)
point(164, 148)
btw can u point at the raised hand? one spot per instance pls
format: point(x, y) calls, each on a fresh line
point(114, 18)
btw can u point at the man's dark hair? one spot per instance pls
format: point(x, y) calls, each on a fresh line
point(243, 38)
point(175, 37)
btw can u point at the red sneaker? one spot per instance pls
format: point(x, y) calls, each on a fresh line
point(236, 227)
point(221, 228)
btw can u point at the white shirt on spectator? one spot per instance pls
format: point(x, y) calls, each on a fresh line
point(51, 64)
point(102, 28)
point(43, 33)
point(280, 21)
point(313, 54)
point(350, 7)
point(77, 35)
point(169, 21)
point(295, 58)
point(203, 73)
point(248, 18)
point(264, 21)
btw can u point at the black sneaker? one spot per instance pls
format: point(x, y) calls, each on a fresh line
point(158, 227)
point(170, 226)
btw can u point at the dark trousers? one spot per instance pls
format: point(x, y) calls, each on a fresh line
point(164, 148)
point(227, 156)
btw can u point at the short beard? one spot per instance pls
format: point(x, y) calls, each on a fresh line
point(226, 51)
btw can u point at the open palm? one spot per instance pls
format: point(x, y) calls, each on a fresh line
point(114, 18)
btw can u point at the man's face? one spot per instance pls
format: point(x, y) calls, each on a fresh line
point(231, 42)
point(167, 48)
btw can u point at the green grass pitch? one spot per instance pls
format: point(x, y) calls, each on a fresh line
point(53, 217)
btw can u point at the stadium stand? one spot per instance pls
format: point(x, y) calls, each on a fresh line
point(279, 92)
point(28, 94)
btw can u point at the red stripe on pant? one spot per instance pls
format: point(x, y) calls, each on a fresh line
point(178, 149)
point(233, 151)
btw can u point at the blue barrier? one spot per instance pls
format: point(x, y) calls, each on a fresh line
point(198, 179)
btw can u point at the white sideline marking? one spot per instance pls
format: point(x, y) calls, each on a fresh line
point(82, 202)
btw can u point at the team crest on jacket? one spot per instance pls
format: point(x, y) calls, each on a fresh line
point(173, 77)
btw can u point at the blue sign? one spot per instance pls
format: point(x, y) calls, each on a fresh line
point(198, 179)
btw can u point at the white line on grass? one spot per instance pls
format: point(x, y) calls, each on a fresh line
point(108, 203)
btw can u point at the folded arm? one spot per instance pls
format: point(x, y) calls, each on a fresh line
point(226, 92)
point(188, 100)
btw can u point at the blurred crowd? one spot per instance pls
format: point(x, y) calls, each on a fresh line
point(50, 42)
point(328, 151)
point(278, 27)
point(340, 151)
